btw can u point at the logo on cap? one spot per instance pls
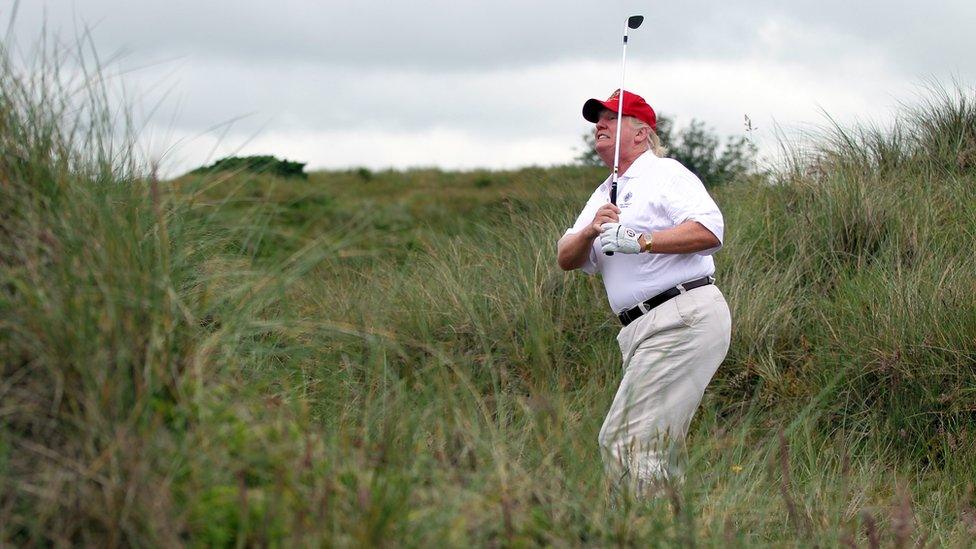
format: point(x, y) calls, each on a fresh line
point(614, 95)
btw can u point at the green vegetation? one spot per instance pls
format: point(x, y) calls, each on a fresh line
point(241, 359)
point(266, 164)
point(698, 148)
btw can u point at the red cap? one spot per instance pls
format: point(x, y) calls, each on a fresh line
point(634, 105)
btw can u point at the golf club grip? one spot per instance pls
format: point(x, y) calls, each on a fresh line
point(613, 200)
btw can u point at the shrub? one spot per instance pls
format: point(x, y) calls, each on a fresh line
point(266, 164)
point(364, 173)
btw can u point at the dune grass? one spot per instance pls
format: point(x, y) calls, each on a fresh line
point(394, 358)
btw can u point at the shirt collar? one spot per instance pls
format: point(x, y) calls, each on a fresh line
point(640, 165)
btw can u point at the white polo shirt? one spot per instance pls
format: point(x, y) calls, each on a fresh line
point(654, 194)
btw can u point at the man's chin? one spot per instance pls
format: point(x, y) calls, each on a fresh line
point(606, 157)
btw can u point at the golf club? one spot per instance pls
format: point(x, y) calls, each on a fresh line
point(633, 22)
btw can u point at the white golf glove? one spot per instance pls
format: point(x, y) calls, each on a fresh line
point(617, 238)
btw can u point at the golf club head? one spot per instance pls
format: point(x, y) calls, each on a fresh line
point(635, 21)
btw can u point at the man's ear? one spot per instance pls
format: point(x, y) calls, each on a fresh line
point(642, 135)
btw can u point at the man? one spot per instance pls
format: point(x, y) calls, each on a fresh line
point(676, 323)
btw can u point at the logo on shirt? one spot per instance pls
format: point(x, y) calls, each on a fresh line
point(625, 201)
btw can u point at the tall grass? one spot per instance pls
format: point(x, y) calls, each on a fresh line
point(110, 289)
point(396, 359)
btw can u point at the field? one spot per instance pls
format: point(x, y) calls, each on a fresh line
point(394, 358)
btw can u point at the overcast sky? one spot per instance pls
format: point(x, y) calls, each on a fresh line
point(464, 84)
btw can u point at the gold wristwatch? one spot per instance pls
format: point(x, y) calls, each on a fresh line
point(647, 241)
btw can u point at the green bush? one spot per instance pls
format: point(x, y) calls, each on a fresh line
point(267, 164)
point(364, 173)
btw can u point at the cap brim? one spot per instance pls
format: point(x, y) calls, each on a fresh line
point(592, 108)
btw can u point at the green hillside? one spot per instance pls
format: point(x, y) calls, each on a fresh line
point(394, 358)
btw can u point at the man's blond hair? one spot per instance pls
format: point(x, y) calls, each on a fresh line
point(653, 140)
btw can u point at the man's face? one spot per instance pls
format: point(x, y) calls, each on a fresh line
point(606, 131)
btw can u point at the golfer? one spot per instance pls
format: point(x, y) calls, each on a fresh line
point(675, 322)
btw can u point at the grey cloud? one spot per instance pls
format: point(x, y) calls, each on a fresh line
point(442, 35)
point(303, 96)
point(919, 38)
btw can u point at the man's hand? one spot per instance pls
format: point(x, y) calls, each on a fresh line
point(606, 214)
point(614, 237)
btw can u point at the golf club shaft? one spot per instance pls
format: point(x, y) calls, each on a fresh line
point(620, 115)
point(620, 108)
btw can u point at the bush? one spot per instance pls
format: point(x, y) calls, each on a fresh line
point(256, 164)
point(699, 149)
point(364, 173)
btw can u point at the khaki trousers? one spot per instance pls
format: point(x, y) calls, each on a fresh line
point(669, 356)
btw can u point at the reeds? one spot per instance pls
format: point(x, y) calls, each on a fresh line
point(397, 360)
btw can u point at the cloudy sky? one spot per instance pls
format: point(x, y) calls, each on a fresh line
point(500, 84)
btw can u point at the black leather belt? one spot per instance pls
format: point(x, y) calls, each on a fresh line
point(634, 313)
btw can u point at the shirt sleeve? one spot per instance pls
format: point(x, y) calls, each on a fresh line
point(585, 217)
point(689, 201)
